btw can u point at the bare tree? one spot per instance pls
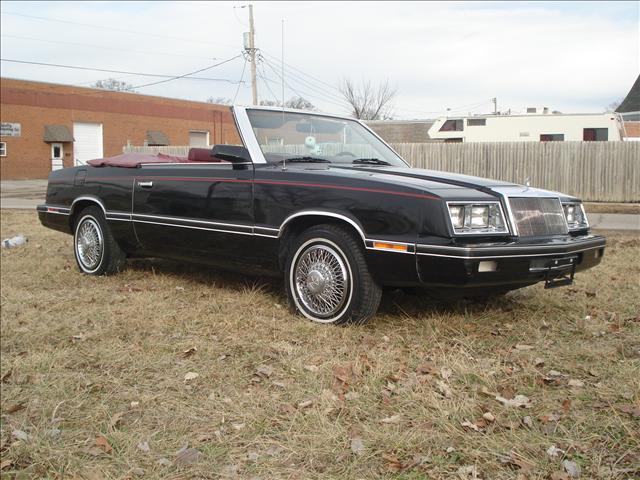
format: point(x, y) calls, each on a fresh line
point(114, 85)
point(369, 102)
point(220, 100)
point(613, 105)
point(299, 103)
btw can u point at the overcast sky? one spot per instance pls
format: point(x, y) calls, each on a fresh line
point(573, 56)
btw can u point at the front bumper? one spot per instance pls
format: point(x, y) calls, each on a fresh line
point(506, 263)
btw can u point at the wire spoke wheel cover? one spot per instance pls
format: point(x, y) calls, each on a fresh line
point(89, 244)
point(322, 281)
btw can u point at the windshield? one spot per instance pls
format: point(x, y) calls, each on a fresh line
point(300, 137)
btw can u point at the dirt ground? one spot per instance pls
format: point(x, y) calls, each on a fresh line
point(172, 371)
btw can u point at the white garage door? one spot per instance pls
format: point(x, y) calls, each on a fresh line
point(198, 139)
point(87, 143)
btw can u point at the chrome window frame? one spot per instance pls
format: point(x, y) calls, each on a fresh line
point(507, 222)
point(248, 137)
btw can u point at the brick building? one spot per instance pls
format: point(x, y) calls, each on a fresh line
point(47, 126)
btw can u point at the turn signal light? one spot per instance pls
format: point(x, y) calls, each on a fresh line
point(390, 246)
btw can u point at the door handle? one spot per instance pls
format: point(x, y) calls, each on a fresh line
point(145, 184)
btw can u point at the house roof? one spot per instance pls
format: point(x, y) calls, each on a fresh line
point(156, 137)
point(631, 103)
point(57, 133)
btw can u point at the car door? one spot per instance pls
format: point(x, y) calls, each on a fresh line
point(194, 210)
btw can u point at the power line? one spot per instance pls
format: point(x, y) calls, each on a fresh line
point(263, 76)
point(191, 73)
point(244, 67)
point(307, 95)
point(144, 52)
point(140, 74)
point(69, 22)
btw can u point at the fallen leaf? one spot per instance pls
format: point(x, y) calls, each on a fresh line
point(470, 425)
point(527, 421)
point(144, 447)
point(103, 444)
point(191, 376)
point(575, 383)
point(572, 468)
point(139, 472)
point(189, 352)
point(115, 420)
point(446, 373)
point(392, 464)
point(566, 405)
point(6, 376)
point(633, 410)
point(311, 368)
point(554, 452)
point(357, 447)
point(352, 396)
point(238, 426)
point(392, 419)
point(521, 347)
point(264, 371)
point(427, 368)
point(15, 407)
point(517, 401)
point(305, 404)
point(443, 389)
point(5, 464)
point(488, 416)
point(134, 404)
point(20, 435)
point(187, 456)
point(253, 456)
point(164, 462)
point(538, 362)
point(551, 417)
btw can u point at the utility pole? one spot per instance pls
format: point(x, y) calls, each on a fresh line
point(495, 105)
point(252, 53)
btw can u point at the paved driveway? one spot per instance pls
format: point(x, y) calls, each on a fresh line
point(22, 193)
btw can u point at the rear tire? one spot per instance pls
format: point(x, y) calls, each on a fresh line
point(327, 279)
point(95, 249)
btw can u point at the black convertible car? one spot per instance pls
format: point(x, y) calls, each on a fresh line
point(323, 201)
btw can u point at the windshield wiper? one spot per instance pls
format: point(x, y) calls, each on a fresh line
point(370, 161)
point(306, 160)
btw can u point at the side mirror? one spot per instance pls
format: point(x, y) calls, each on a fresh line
point(231, 153)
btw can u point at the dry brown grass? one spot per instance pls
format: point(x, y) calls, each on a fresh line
point(603, 207)
point(90, 357)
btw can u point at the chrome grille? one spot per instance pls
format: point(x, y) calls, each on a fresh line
point(538, 216)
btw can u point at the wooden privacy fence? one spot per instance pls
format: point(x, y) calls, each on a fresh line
point(593, 171)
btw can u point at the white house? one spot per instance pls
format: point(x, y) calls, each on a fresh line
point(538, 125)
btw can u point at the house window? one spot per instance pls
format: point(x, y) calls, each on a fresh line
point(531, 110)
point(476, 122)
point(595, 134)
point(3, 149)
point(198, 139)
point(452, 126)
point(552, 137)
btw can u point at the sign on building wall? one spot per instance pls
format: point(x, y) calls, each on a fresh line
point(10, 129)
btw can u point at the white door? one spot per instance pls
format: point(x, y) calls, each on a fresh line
point(198, 139)
point(57, 154)
point(87, 143)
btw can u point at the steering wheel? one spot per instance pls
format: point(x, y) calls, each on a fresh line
point(344, 154)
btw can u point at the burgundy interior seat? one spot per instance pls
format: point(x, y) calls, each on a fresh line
point(201, 155)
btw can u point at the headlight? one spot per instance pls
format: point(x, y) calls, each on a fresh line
point(576, 218)
point(477, 218)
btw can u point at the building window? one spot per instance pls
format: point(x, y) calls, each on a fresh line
point(453, 140)
point(476, 122)
point(595, 134)
point(552, 137)
point(56, 150)
point(3, 149)
point(198, 139)
point(532, 110)
point(452, 126)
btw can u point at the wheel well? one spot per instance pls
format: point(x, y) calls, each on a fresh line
point(299, 224)
point(78, 207)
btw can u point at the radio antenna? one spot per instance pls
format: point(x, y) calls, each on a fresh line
point(284, 153)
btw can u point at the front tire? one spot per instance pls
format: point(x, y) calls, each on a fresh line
point(95, 249)
point(327, 278)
